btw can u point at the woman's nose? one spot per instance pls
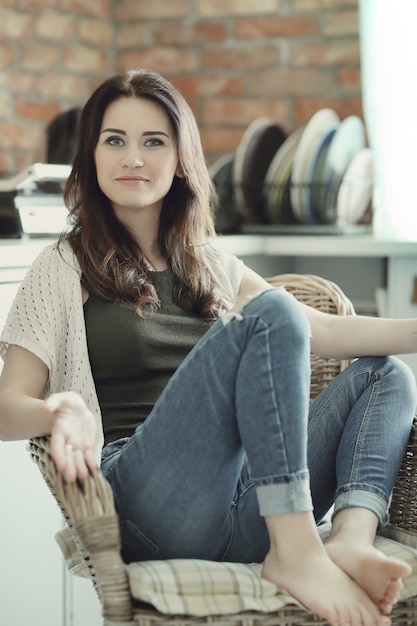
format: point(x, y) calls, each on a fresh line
point(133, 158)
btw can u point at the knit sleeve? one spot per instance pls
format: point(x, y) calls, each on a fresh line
point(226, 268)
point(35, 315)
point(46, 318)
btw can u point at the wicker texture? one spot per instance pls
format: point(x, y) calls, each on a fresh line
point(403, 511)
point(89, 509)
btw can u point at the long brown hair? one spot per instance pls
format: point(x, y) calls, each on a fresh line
point(111, 261)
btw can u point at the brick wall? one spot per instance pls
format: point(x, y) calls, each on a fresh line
point(52, 53)
point(234, 60)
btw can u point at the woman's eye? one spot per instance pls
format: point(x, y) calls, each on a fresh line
point(154, 142)
point(115, 141)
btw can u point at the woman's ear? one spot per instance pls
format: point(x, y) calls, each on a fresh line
point(179, 172)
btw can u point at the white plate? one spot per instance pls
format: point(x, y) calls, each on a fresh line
point(237, 175)
point(278, 173)
point(348, 140)
point(314, 192)
point(312, 135)
point(355, 190)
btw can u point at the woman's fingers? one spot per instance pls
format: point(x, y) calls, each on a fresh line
point(70, 469)
point(72, 435)
point(73, 462)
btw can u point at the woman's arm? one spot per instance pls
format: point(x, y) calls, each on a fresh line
point(22, 382)
point(64, 416)
point(350, 336)
point(344, 336)
point(251, 284)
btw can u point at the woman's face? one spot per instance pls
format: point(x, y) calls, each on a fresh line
point(136, 155)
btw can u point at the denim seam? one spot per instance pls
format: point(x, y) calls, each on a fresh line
point(274, 395)
point(336, 393)
point(242, 489)
point(270, 382)
point(364, 421)
point(352, 485)
point(232, 514)
point(281, 479)
point(362, 487)
point(264, 332)
point(370, 372)
point(346, 499)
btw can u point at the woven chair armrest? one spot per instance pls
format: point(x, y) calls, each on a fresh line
point(403, 508)
point(88, 508)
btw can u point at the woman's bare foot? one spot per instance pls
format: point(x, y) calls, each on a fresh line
point(298, 563)
point(351, 547)
point(378, 575)
point(324, 589)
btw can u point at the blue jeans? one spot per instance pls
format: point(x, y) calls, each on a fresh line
point(234, 437)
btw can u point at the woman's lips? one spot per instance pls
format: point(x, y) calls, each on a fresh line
point(132, 180)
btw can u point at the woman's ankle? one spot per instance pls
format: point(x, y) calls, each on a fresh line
point(355, 524)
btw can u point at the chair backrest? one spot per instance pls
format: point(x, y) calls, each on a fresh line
point(325, 296)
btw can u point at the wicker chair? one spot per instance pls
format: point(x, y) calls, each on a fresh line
point(88, 507)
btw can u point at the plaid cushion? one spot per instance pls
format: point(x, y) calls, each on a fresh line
point(197, 587)
point(406, 537)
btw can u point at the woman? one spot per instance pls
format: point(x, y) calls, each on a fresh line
point(134, 331)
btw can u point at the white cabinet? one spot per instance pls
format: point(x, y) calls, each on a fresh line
point(402, 295)
point(32, 574)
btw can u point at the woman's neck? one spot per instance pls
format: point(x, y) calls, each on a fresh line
point(154, 260)
point(144, 227)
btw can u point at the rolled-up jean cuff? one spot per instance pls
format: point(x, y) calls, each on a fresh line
point(364, 499)
point(284, 497)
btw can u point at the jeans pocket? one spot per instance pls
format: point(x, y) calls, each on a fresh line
point(110, 451)
point(136, 546)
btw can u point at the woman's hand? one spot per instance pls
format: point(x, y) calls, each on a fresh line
point(73, 434)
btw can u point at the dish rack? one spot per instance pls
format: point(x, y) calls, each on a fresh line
point(321, 174)
point(337, 208)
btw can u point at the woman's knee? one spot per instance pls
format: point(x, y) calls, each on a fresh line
point(280, 310)
point(395, 377)
point(395, 369)
point(405, 379)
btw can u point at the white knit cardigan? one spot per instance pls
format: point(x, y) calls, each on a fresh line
point(47, 319)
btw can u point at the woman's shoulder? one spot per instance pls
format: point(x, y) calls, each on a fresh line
point(58, 256)
point(54, 275)
point(220, 258)
point(226, 267)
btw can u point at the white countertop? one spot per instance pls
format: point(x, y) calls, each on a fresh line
point(323, 245)
point(20, 253)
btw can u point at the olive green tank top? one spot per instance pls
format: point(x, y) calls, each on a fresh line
point(132, 358)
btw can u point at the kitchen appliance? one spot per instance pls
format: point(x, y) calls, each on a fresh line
point(31, 202)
